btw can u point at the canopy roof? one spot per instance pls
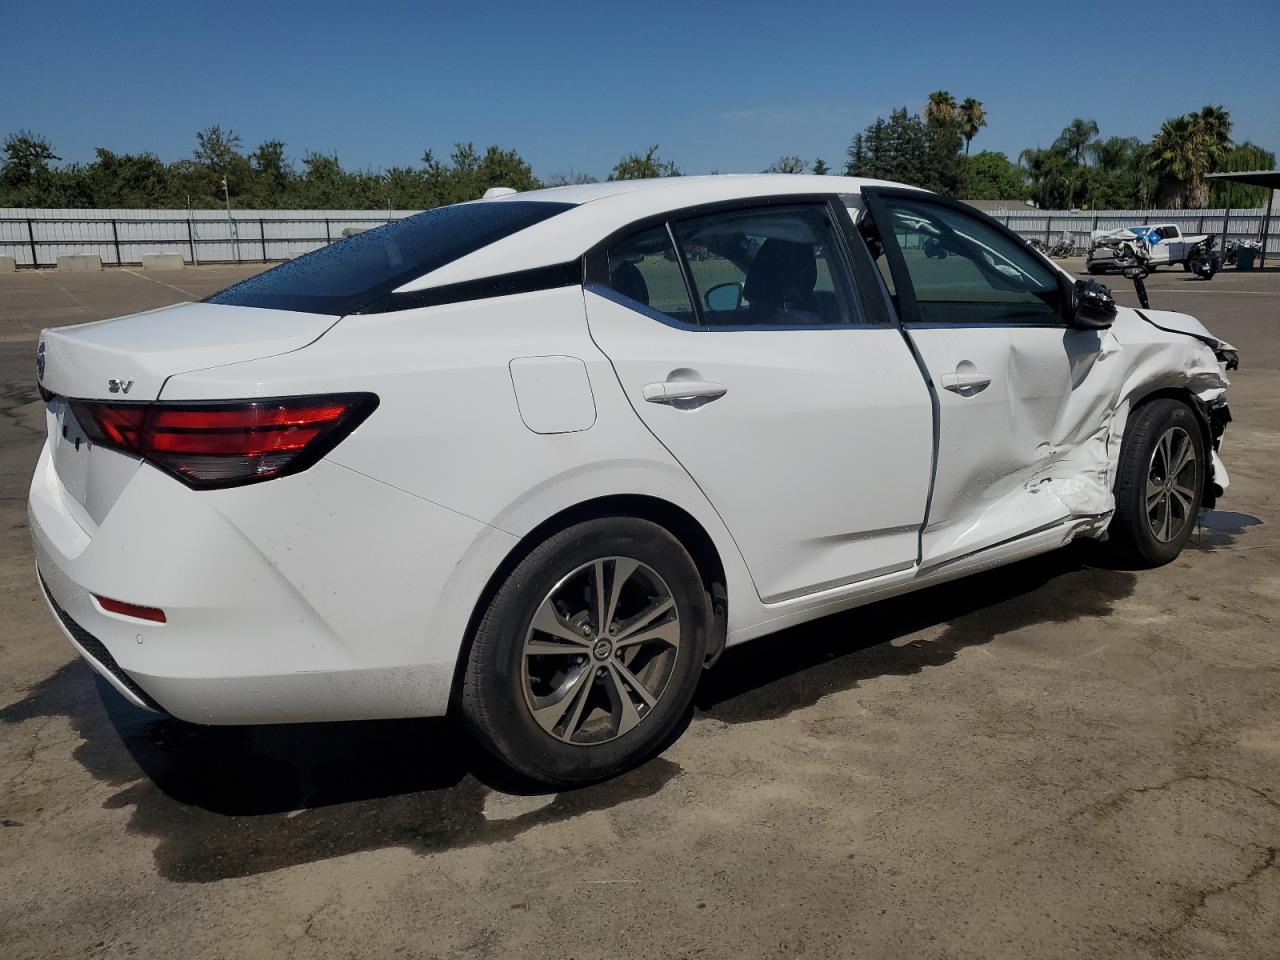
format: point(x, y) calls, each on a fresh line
point(1258, 178)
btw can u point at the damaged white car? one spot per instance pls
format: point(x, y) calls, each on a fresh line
point(540, 458)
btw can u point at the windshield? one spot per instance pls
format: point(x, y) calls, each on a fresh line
point(355, 272)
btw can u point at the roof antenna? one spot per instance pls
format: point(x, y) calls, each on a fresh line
point(498, 192)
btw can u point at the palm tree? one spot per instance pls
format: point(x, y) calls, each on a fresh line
point(1185, 149)
point(973, 117)
point(1115, 153)
point(1179, 159)
point(1077, 137)
point(1215, 127)
point(941, 108)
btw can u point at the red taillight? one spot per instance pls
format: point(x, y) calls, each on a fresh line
point(154, 614)
point(227, 443)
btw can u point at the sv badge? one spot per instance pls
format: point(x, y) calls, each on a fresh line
point(119, 386)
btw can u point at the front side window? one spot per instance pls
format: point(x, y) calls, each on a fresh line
point(767, 267)
point(357, 271)
point(964, 271)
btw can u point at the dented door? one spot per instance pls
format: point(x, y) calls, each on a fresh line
point(1023, 407)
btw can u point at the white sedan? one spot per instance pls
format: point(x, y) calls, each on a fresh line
point(541, 458)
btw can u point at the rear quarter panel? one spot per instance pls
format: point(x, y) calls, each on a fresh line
point(449, 428)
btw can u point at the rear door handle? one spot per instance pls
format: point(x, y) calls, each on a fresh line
point(960, 382)
point(669, 391)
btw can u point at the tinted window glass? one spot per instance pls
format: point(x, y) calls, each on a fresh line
point(644, 268)
point(774, 266)
point(354, 272)
point(964, 271)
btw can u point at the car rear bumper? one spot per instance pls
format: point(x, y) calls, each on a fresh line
point(306, 598)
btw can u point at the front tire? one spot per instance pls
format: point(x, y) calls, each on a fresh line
point(587, 658)
point(1159, 483)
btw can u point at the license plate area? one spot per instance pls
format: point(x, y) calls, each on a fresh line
point(91, 476)
point(71, 450)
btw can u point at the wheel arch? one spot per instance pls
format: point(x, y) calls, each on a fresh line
point(686, 528)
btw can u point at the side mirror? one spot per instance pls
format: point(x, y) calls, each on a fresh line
point(724, 297)
point(1092, 306)
point(1138, 273)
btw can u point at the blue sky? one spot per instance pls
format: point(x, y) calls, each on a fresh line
point(726, 87)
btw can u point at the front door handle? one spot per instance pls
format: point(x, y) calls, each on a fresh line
point(964, 382)
point(671, 391)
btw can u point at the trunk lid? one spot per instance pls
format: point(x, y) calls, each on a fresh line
point(136, 355)
point(131, 357)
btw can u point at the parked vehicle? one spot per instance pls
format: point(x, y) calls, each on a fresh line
point(1065, 247)
point(1203, 260)
point(539, 459)
point(1166, 242)
point(1232, 249)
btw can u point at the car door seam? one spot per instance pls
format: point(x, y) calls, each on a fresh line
point(586, 312)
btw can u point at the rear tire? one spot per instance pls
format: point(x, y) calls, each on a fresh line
point(1159, 484)
point(558, 687)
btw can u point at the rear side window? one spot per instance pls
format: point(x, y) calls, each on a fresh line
point(768, 267)
point(644, 268)
point(357, 271)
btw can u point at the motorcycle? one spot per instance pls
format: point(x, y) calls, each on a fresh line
point(1232, 249)
point(1203, 260)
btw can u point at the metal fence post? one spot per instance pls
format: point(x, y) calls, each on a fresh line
point(115, 239)
point(31, 236)
point(328, 235)
point(262, 236)
point(191, 243)
point(1048, 228)
point(1226, 219)
point(1266, 228)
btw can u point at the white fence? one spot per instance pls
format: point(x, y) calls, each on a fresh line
point(39, 237)
point(1051, 225)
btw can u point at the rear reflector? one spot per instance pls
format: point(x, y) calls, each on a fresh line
point(227, 443)
point(154, 614)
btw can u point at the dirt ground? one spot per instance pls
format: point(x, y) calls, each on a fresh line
point(1051, 760)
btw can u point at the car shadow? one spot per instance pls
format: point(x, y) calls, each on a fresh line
point(234, 801)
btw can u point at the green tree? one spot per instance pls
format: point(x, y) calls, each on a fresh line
point(1076, 139)
point(569, 178)
point(26, 177)
point(123, 180)
point(907, 149)
point(271, 173)
point(643, 166)
point(1184, 150)
point(990, 175)
point(1050, 174)
point(820, 167)
point(787, 164)
point(973, 117)
point(1244, 156)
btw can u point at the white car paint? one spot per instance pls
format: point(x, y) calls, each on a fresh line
point(346, 590)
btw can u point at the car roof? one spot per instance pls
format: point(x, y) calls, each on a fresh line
point(602, 208)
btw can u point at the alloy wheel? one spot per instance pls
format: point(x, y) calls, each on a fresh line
point(1171, 485)
point(600, 651)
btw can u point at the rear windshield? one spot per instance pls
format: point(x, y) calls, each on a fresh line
point(357, 271)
